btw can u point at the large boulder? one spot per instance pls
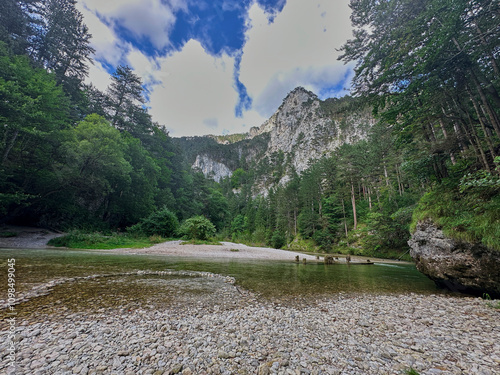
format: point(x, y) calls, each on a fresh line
point(459, 266)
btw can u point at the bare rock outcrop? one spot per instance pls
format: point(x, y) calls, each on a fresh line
point(211, 168)
point(459, 266)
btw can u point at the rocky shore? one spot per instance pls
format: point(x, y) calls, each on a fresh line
point(188, 322)
point(211, 326)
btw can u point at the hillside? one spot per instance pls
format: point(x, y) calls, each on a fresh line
point(302, 130)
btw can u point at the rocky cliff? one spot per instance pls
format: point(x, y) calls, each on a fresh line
point(458, 266)
point(303, 129)
point(211, 168)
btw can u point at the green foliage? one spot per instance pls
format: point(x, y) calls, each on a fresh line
point(466, 216)
point(238, 177)
point(202, 242)
point(482, 182)
point(490, 303)
point(216, 208)
point(238, 224)
point(7, 234)
point(82, 240)
point(278, 240)
point(162, 223)
point(197, 228)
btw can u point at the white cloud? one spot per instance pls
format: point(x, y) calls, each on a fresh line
point(197, 94)
point(297, 49)
point(108, 46)
point(98, 76)
point(150, 19)
point(193, 93)
point(146, 19)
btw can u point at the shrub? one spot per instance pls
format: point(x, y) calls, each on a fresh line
point(278, 239)
point(162, 223)
point(197, 228)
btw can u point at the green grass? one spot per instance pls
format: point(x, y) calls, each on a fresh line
point(494, 304)
point(466, 216)
point(7, 234)
point(81, 240)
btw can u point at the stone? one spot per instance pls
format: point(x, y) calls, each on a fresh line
point(175, 369)
point(459, 266)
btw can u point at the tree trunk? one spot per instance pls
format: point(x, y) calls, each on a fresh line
point(353, 199)
point(483, 126)
point(345, 221)
point(445, 135)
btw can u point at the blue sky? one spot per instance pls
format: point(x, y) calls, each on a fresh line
point(220, 66)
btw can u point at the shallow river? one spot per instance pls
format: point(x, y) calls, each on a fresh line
point(273, 279)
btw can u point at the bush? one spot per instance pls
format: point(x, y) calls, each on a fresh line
point(197, 228)
point(278, 240)
point(81, 240)
point(162, 223)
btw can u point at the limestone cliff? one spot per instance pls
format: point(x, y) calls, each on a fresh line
point(211, 168)
point(303, 129)
point(459, 266)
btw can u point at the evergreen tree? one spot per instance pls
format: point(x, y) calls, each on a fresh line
point(125, 98)
point(62, 45)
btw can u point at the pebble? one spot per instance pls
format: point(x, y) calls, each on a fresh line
point(226, 330)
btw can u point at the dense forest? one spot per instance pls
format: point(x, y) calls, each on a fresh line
point(72, 156)
point(75, 157)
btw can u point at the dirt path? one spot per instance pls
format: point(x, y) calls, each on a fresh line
point(26, 237)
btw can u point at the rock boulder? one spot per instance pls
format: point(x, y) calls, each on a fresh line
point(459, 266)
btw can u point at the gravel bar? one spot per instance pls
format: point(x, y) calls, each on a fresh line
point(226, 330)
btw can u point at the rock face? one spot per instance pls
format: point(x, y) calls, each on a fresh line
point(458, 266)
point(211, 168)
point(302, 128)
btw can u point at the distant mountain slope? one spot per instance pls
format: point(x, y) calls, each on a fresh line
point(303, 129)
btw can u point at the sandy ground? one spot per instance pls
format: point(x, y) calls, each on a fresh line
point(26, 237)
point(226, 250)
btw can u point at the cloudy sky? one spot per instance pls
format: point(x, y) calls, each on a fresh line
point(220, 66)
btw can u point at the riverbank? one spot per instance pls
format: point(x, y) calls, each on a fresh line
point(37, 238)
point(19, 237)
point(225, 330)
point(237, 251)
point(189, 322)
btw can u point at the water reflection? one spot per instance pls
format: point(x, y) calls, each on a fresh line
point(268, 278)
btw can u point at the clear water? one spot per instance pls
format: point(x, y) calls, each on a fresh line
point(267, 278)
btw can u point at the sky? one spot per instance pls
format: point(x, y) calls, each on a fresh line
point(220, 66)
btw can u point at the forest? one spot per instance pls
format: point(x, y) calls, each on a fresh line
point(73, 157)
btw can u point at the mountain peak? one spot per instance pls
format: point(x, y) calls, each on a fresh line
point(300, 95)
point(296, 98)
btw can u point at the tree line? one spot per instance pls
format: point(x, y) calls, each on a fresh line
point(71, 155)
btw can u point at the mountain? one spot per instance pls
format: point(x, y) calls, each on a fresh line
point(303, 129)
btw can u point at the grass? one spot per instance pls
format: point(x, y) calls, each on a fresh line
point(467, 216)
point(6, 234)
point(494, 304)
point(81, 240)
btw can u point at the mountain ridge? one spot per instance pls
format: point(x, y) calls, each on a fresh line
point(303, 129)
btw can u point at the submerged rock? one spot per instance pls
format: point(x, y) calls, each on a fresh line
point(459, 266)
